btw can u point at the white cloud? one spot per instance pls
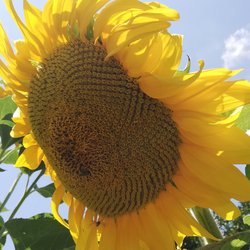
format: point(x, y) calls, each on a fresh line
point(237, 48)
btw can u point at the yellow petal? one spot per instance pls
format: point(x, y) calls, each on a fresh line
point(5, 49)
point(22, 126)
point(33, 19)
point(120, 24)
point(59, 15)
point(161, 88)
point(209, 91)
point(34, 43)
point(153, 54)
point(109, 235)
point(200, 195)
point(88, 233)
point(20, 130)
point(130, 14)
point(30, 158)
point(72, 224)
point(29, 140)
point(89, 8)
point(156, 231)
point(125, 233)
point(208, 167)
point(2, 92)
point(177, 216)
point(22, 102)
point(76, 210)
point(55, 202)
point(121, 39)
point(10, 78)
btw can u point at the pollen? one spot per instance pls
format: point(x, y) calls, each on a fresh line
point(113, 147)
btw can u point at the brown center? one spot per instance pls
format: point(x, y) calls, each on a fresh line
point(113, 147)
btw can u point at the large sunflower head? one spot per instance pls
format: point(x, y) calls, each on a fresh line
point(129, 141)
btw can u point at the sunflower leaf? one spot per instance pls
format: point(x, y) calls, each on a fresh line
point(10, 156)
point(247, 171)
point(6, 139)
point(243, 122)
point(70, 248)
point(2, 170)
point(8, 123)
point(39, 232)
point(246, 220)
point(46, 191)
point(3, 238)
point(238, 241)
point(7, 106)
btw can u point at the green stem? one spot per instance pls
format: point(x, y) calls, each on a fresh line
point(25, 195)
point(11, 191)
point(205, 218)
point(2, 151)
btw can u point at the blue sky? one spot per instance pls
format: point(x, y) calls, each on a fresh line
point(215, 31)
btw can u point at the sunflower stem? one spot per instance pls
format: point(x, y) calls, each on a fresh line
point(205, 218)
point(11, 191)
point(25, 195)
point(27, 192)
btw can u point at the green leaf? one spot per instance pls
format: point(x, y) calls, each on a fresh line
point(2, 170)
point(8, 123)
point(6, 139)
point(10, 156)
point(46, 191)
point(70, 248)
point(246, 220)
point(3, 238)
point(247, 171)
point(39, 232)
point(243, 122)
point(7, 106)
point(238, 243)
point(235, 242)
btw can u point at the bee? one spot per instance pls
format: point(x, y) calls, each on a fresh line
point(98, 223)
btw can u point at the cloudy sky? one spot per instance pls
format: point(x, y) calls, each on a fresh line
point(215, 31)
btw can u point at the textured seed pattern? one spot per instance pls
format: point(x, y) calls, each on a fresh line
point(113, 147)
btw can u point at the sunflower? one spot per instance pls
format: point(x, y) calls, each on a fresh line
point(130, 141)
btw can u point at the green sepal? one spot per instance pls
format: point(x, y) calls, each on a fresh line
point(180, 73)
point(90, 30)
point(73, 32)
